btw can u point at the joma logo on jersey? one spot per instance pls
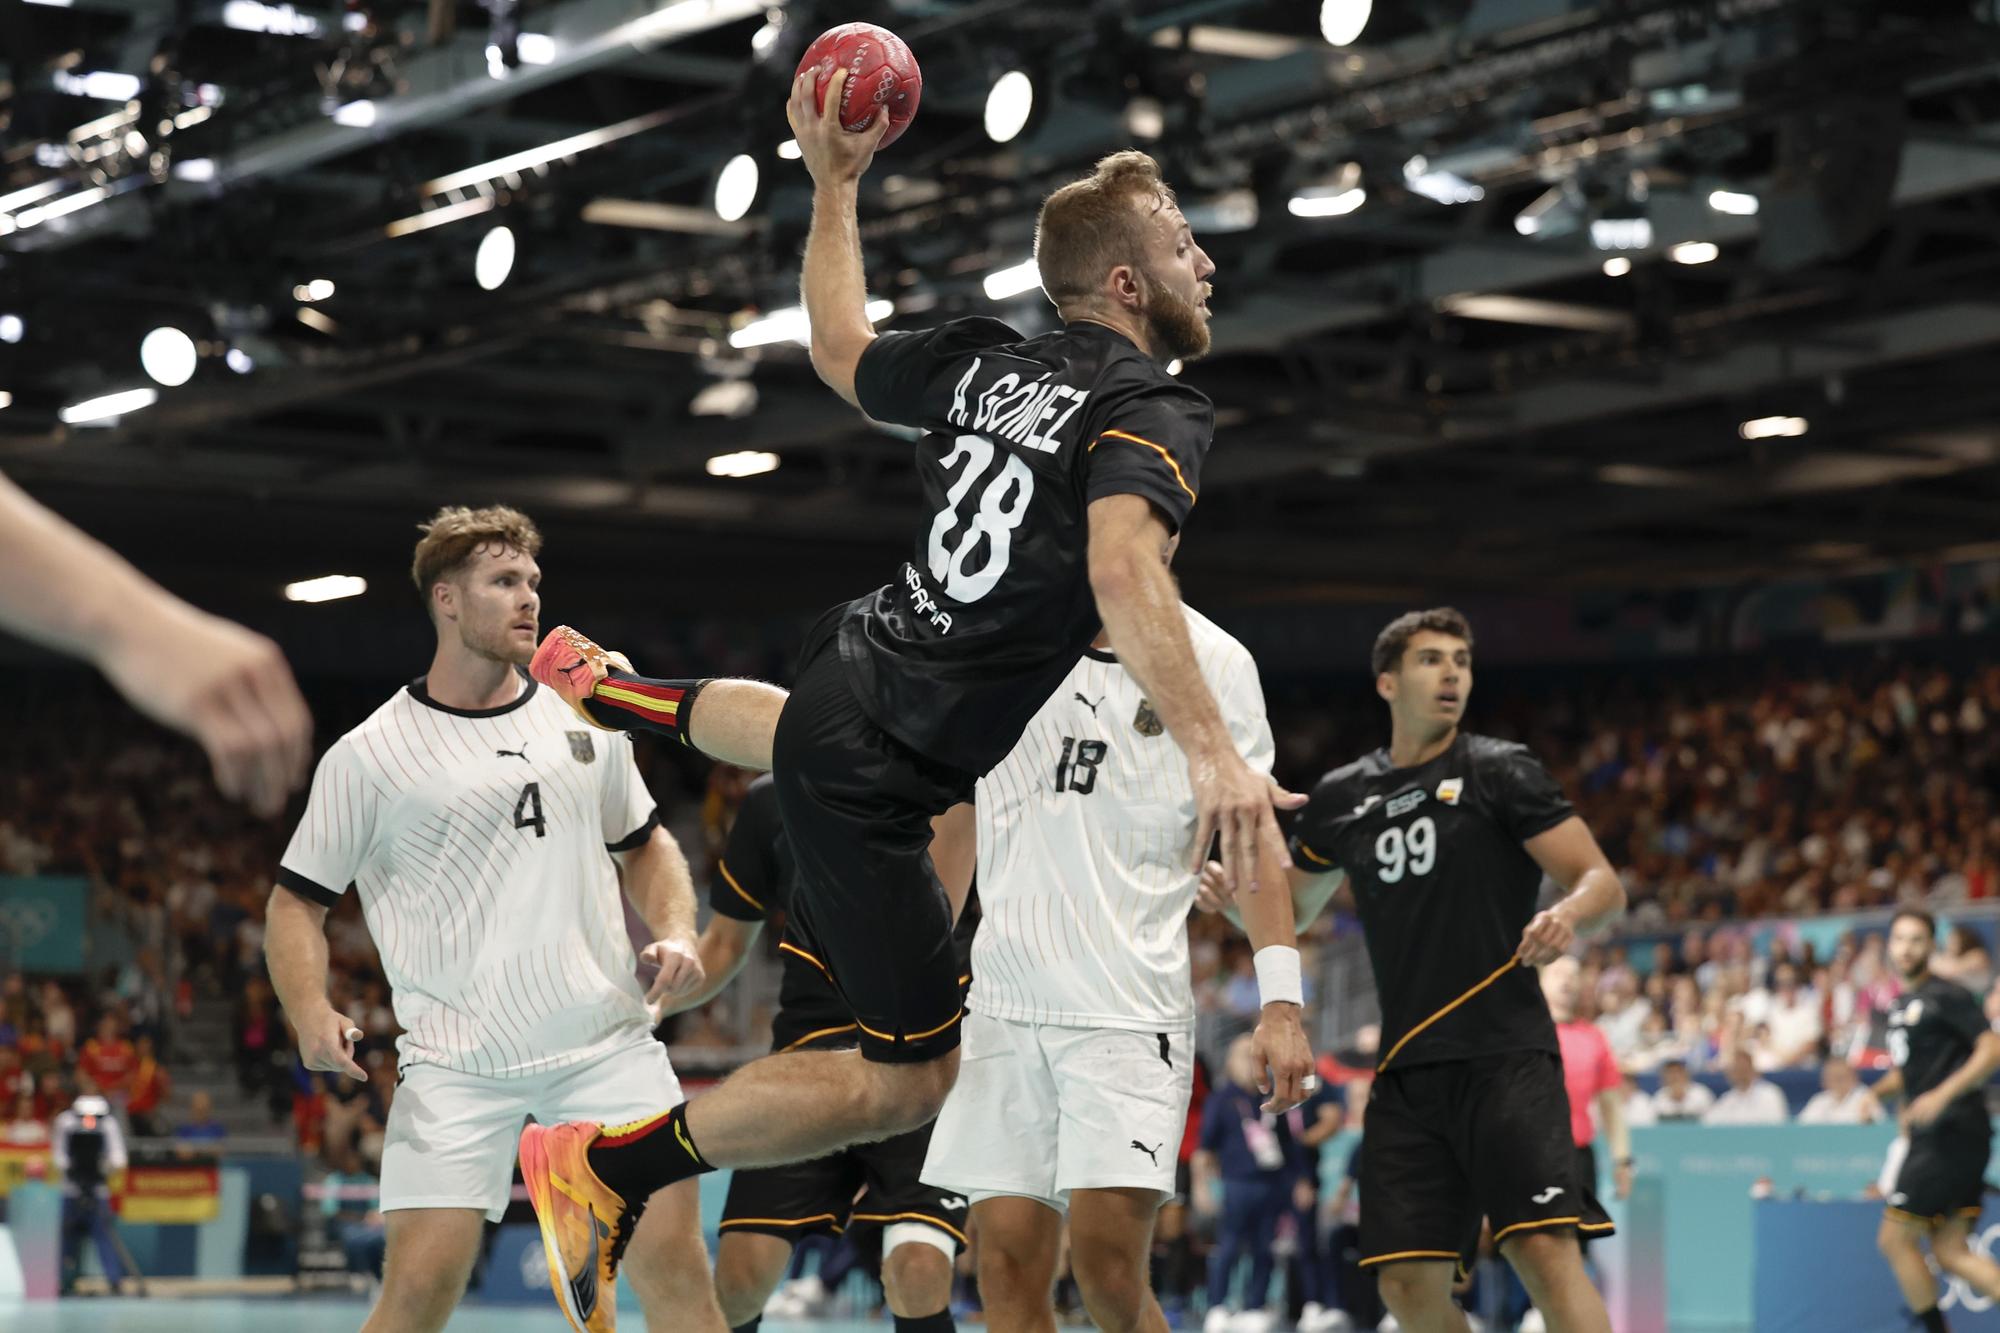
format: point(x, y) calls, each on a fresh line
point(1030, 415)
point(1402, 805)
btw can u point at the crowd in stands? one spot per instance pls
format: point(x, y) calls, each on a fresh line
point(1722, 795)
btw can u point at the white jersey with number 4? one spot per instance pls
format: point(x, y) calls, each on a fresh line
point(479, 842)
point(1086, 848)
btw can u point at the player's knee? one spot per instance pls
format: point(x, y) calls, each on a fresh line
point(1953, 1259)
point(916, 1280)
point(742, 1284)
point(1413, 1288)
point(1008, 1273)
point(1543, 1256)
point(1893, 1239)
point(1113, 1286)
point(907, 1097)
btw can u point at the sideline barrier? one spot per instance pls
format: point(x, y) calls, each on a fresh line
point(1818, 1270)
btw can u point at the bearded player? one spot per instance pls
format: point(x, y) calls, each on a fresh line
point(1054, 470)
point(487, 834)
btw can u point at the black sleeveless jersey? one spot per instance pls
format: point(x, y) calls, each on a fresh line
point(1444, 889)
point(955, 654)
point(1932, 1031)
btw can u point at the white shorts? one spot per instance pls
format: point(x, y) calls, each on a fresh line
point(1039, 1111)
point(452, 1137)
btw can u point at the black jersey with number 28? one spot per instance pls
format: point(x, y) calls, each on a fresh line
point(1932, 1031)
point(955, 655)
point(753, 882)
point(1444, 889)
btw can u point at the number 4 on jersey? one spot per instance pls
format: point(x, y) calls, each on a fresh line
point(528, 810)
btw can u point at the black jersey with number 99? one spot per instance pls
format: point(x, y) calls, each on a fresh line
point(956, 654)
point(1932, 1032)
point(1444, 889)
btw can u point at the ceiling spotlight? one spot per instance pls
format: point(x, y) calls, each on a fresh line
point(199, 170)
point(1617, 266)
point(1772, 428)
point(6, 400)
point(1013, 280)
point(1694, 252)
point(736, 187)
point(494, 259)
point(789, 150)
point(1338, 203)
point(535, 48)
point(355, 115)
point(168, 357)
point(766, 37)
point(742, 463)
point(12, 329)
point(326, 588)
point(1621, 233)
point(724, 398)
point(1145, 118)
point(791, 325)
point(1733, 202)
point(1445, 187)
point(1009, 103)
point(239, 361)
point(1341, 21)
point(103, 84)
point(1554, 212)
point(316, 290)
point(107, 408)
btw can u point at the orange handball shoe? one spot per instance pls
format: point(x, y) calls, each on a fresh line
point(585, 1226)
point(573, 666)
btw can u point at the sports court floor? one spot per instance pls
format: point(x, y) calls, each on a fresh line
point(305, 1314)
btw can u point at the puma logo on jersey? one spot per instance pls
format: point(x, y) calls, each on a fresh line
point(521, 754)
point(1548, 1194)
point(1088, 704)
point(1152, 1152)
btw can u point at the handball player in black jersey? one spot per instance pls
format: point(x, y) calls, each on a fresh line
point(771, 1209)
point(1442, 839)
point(1944, 1052)
point(1054, 471)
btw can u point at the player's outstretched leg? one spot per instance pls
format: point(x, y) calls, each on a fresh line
point(1551, 1267)
point(582, 1176)
point(738, 717)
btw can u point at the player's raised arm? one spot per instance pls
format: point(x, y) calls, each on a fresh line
point(221, 684)
point(833, 286)
point(1142, 613)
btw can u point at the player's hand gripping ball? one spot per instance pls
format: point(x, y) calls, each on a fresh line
point(882, 76)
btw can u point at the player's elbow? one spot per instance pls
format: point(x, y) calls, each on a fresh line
point(1115, 573)
point(835, 356)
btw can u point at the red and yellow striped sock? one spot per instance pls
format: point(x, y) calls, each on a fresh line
point(632, 702)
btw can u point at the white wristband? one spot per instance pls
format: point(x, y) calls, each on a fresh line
point(1278, 975)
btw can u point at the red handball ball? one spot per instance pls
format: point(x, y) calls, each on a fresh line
point(882, 75)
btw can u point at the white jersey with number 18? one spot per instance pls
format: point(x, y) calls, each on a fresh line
point(479, 841)
point(1086, 846)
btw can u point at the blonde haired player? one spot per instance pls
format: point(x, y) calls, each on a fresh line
point(1079, 1040)
point(479, 822)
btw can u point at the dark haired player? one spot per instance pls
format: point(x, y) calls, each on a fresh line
point(771, 1209)
point(1444, 837)
point(1054, 470)
point(1944, 1052)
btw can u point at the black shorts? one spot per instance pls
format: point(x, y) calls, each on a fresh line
point(1943, 1176)
point(819, 1196)
point(857, 806)
point(1445, 1145)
